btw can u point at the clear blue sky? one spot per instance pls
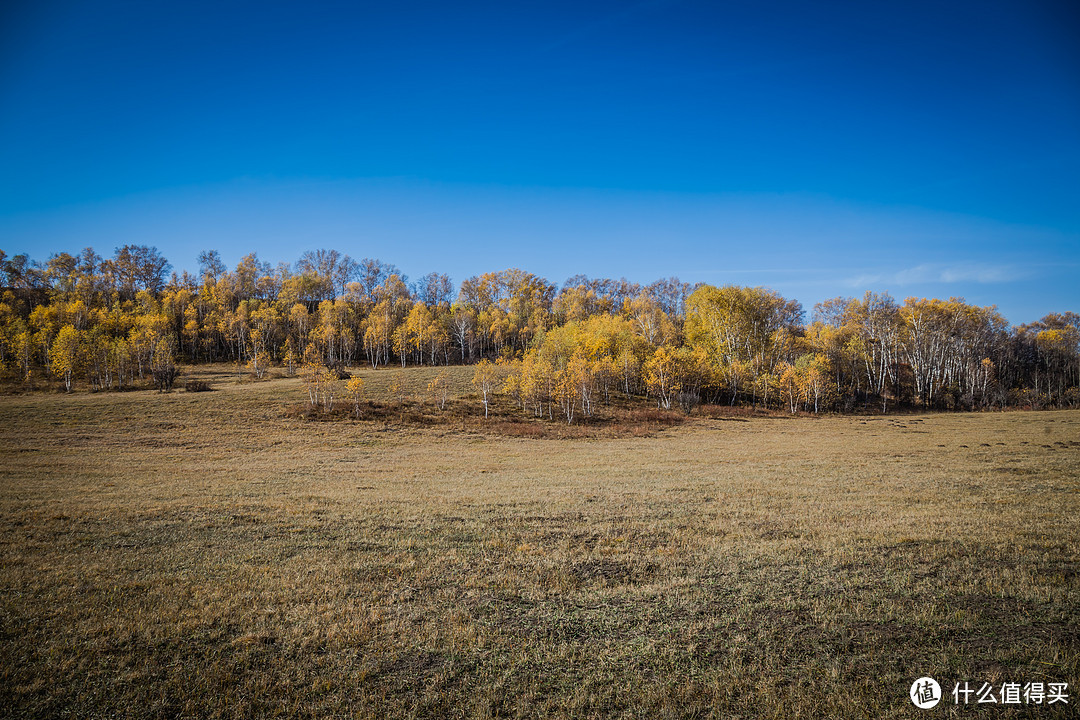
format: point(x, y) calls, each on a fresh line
point(817, 148)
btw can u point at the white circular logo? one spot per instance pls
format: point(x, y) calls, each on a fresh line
point(925, 693)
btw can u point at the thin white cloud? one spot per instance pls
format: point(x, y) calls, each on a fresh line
point(927, 273)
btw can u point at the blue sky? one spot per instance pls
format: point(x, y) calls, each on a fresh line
point(819, 149)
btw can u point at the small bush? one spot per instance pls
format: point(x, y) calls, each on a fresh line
point(688, 400)
point(197, 386)
point(164, 377)
point(339, 371)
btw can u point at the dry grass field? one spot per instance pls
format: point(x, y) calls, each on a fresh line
point(214, 555)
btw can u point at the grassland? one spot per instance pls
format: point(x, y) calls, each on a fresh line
point(214, 555)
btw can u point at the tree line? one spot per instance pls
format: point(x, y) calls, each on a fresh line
point(557, 351)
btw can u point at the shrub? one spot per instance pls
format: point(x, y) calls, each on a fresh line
point(165, 376)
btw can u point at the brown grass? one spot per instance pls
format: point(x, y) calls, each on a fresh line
point(205, 554)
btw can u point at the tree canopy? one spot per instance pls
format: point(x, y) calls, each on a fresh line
point(105, 323)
